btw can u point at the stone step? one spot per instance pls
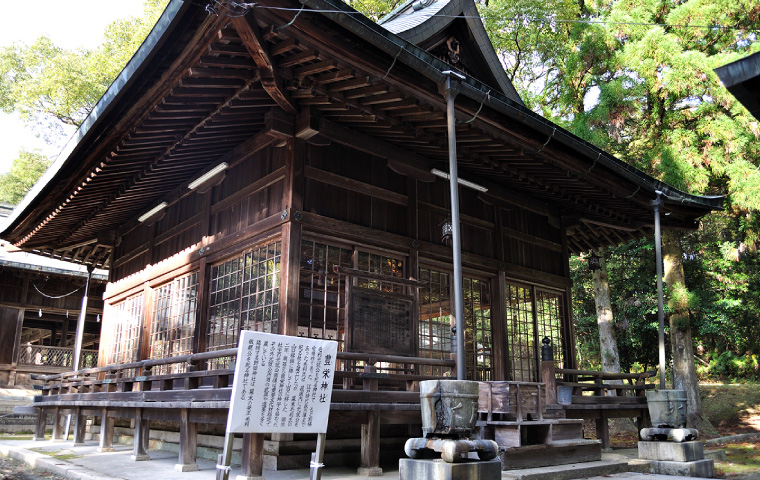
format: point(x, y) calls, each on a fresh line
point(558, 453)
point(571, 471)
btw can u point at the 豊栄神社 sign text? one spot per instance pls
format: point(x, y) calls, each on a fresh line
point(282, 384)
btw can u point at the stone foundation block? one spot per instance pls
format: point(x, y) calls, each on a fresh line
point(437, 469)
point(698, 468)
point(671, 451)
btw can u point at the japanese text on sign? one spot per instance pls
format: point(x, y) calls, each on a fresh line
point(282, 384)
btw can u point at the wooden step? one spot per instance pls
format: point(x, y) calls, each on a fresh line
point(510, 434)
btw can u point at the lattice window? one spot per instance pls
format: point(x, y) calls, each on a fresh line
point(384, 265)
point(260, 307)
point(245, 294)
point(434, 319)
point(532, 314)
point(126, 318)
point(175, 305)
point(549, 317)
point(322, 305)
point(479, 339)
point(435, 323)
point(224, 304)
point(521, 334)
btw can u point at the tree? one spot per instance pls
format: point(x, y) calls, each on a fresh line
point(636, 78)
point(49, 86)
point(26, 169)
point(607, 337)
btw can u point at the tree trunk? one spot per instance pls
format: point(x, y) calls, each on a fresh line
point(682, 347)
point(607, 336)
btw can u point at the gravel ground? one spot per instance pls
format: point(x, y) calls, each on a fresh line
point(11, 469)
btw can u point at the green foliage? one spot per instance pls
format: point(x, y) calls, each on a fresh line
point(49, 86)
point(636, 78)
point(630, 270)
point(27, 168)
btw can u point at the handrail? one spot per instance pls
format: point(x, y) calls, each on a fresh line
point(232, 352)
point(601, 375)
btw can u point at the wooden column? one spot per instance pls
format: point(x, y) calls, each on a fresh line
point(58, 424)
point(549, 379)
point(19, 327)
point(142, 437)
point(252, 456)
point(370, 461)
point(80, 424)
point(188, 443)
point(292, 202)
point(39, 431)
point(106, 432)
point(602, 430)
point(200, 336)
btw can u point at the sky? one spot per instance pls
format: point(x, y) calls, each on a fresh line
point(70, 24)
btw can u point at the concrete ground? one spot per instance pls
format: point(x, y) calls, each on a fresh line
point(86, 463)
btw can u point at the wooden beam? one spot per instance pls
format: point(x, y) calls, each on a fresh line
point(269, 80)
point(410, 163)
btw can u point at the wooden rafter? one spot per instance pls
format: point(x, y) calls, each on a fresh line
point(269, 80)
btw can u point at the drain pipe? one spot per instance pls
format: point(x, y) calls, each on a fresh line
point(80, 322)
point(450, 91)
point(656, 204)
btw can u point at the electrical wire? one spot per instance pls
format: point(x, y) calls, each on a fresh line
point(251, 5)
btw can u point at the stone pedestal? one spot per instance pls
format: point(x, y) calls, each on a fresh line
point(437, 469)
point(684, 459)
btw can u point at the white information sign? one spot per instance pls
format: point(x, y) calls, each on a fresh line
point(282, 384)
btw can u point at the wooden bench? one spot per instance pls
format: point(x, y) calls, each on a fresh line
point(594, 397)
point(363, 393)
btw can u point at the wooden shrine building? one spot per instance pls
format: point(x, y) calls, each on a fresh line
point(40, 302)
point(280, 166)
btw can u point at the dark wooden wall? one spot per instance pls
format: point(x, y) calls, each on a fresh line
point(296, 188)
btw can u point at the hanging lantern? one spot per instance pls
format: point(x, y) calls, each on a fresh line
point(594, 262)
point(447, 232)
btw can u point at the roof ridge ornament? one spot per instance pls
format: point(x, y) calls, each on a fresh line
point(417, 6)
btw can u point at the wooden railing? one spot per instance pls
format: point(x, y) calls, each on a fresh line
point(598, 384)
point(362, 390)
point(41, 355)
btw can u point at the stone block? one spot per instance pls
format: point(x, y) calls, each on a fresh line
point(671, 451)
point(437, 469)
point(704, 468)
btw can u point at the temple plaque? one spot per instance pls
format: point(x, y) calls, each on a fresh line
point(381, 322)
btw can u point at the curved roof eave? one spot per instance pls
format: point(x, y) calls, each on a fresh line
point(433, 69)
point(426, 25)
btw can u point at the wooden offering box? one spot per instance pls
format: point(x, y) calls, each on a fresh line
point(510, 401)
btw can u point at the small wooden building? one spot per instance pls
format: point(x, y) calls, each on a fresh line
point(277, 167)
point(40, 302)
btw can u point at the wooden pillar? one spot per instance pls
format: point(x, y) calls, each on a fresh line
point(602, 430)
point(142, 437)
point(252, 456)
point(106, 432)
point(370, 461)
point(548, 377)
point(291, 237)
point(39, 431)
point(80, 424)
point(188, 443)
point(58, 424)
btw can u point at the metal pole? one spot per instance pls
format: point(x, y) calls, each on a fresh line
point(660, 301)
point(80, 322)
point(450, 93)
